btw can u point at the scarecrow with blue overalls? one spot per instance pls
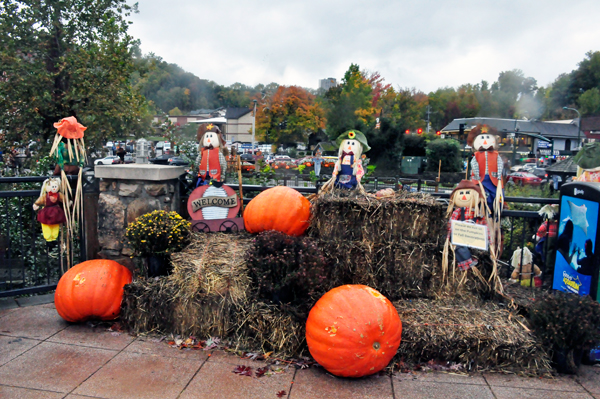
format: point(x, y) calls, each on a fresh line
point(348, 170)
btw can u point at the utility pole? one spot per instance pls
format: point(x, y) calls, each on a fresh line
point(428, 123)
point(253, 127)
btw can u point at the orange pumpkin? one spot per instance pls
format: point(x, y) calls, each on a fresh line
point(353, 331)
point(92, 290)
point(279, 208)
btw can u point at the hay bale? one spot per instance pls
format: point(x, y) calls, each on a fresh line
point(398, 270)
point(343, 216)
point(209, 294)
point(480, 335)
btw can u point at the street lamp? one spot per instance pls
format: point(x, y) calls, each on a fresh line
point(253, 126)
point(578, 125)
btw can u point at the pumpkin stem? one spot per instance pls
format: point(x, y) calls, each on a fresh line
point(376, 346)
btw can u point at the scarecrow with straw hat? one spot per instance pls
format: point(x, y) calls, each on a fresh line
point(211, 161)
point(348, 170)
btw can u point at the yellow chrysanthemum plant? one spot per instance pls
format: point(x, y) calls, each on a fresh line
point(158, 233)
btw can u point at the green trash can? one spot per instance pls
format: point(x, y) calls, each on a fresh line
point(411, 165)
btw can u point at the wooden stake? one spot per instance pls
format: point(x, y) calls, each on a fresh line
point(239, 168)
point(438, 178)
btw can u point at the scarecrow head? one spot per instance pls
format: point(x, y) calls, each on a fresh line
point(352, 142)
point(482, 138)
point(210, 136)
point(69, 128)
point(588, 158)
point(51, 185)
point(467, 195)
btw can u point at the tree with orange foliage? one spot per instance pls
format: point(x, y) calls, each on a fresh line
point(289, 115)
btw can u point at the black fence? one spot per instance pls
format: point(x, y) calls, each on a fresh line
point(29, 264)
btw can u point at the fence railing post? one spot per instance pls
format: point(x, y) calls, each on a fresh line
point(419, 185)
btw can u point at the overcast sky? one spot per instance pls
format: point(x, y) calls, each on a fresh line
point(422, 44)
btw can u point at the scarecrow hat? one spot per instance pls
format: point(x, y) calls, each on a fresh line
point(589, 156)
point(480, 129)
point(354, 135)
point(466, 184)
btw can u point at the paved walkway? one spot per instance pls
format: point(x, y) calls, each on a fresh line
point(41, 356)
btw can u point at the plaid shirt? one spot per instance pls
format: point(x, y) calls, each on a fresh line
point(545, 230)
point(469, 215)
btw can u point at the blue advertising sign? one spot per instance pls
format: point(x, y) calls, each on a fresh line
point(576, 267)
point(543, 144)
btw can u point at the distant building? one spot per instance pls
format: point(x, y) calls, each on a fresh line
point(327, 83)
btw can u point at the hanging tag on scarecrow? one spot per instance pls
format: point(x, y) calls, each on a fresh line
point(348, 170)
point(51, 215)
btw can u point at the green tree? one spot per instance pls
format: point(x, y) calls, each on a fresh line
point(64, 58)
point(350, 105)
point(445, 150)
point(589, 102)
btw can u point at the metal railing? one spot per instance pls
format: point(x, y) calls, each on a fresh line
point(28, 264)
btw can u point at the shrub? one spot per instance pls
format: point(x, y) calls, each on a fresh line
point(566, 323)
point(447, 151)
point(287, 269)
point(158, 232)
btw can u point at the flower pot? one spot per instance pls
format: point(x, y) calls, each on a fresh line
point(158, 265)
point(567, 361)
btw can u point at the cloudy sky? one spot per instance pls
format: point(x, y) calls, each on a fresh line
point(422, 44)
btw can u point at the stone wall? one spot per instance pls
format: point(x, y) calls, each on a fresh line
point(126, 192)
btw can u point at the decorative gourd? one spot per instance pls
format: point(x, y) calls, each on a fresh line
point(353, 331)
point(91, 290)
point(279, 208)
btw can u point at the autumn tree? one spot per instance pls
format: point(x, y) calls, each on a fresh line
point(62, 58)
point(289, 115)
point(349, 105)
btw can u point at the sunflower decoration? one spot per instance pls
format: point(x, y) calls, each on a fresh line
point(68, 151)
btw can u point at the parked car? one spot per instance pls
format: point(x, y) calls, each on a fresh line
point(109, 160)
point(179, 161)
point(524, 178)
point(540, 172)
point(247, 157)
point(161, 159)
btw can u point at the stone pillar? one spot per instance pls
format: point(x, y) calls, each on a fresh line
point(126, 192)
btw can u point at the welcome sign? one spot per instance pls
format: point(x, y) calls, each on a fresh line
point(223, 202)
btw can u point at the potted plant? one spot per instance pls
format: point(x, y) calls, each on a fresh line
point(155, 236)
point(568, 325)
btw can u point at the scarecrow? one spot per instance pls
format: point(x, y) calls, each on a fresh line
point(52, 215)
point(523, 268)
point(348, 169)
point(588, 163)
point(68, 151)
point(212, 166)
point(467, 204)
point(487, 165)
point(211, 161)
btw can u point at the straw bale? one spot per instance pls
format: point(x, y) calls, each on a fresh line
point(480, 335)
point(343, 216)
point(398, 270)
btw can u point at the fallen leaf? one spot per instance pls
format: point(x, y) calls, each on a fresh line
point(261, 371)
point(281, 394)
point(243, 370)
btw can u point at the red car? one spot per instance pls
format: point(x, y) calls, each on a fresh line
point(524, 178)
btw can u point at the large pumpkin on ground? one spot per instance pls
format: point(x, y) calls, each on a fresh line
point(91, 290)
point(353, 331)
point(279, 208)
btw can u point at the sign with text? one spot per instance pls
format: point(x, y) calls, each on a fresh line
point(223, 202)
point(469, 235)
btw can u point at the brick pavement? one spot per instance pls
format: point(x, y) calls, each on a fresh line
point(41, 356)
